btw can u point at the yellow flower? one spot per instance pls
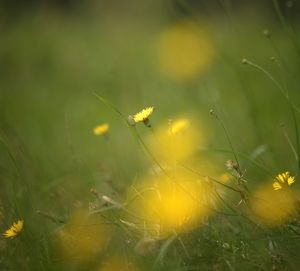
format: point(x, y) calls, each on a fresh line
point(273, 208)
point(82, 238)
point(184, 51)
point(101, 129)
point(177, 141)
point(14, 230)
point(281, 179)
point(143, 115)
point(165, 205)
point(277, 186)
point(179, 126)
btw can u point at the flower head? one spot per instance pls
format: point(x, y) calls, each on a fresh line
point(101, 129)
point(283, 179)
point(14, 230)
point(143, 116)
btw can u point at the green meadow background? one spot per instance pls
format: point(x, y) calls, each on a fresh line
point(54, 58)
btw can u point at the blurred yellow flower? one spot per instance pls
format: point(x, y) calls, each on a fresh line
point(83, 237)
point(175, 142)
point(101, 129)
point(14, 230)
point(273, 208)
point(179, 126)
point(283, 179)
point(184, 51)
point(165, 205)
point(143, 115)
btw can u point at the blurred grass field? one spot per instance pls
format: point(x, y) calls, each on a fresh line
point(73, 189)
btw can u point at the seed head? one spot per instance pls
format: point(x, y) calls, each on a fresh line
point(230, 165)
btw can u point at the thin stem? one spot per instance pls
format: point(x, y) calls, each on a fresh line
point(147, 150)
point(229, 141)
point(289, 141)
point(234, 209)
point(285, 94)
point(109, 104)
point(290, 103)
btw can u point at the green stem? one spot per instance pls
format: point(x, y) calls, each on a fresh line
point(290, 103)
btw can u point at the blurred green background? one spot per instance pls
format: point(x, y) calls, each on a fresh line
point(54, 57)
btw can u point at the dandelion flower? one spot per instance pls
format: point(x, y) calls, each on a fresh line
point(281, 179)
point(277, 186)
point(14, 230)
point(143, 116)
point(101, 129)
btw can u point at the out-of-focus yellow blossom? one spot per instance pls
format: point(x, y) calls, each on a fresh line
point(166, 205)
point(175, 142)
point(273, 208)
point(184, 51)
point(179, 126)
point(283, 179)
point(117, 263)
point(14, 230)
point(83, 237)
point(143, 115)
point(101, 129)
